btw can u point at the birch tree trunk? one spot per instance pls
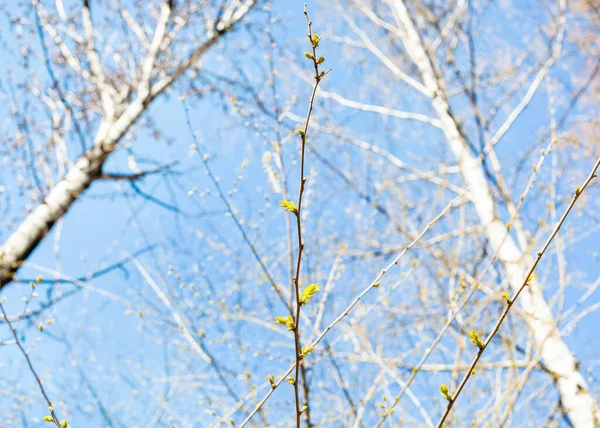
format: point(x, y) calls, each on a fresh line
point(576, 399)
point(152, 82)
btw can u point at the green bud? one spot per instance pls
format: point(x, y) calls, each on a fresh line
point(475, 339)
point(286, 321)
point(315, 39)
point(306, 350)
point(308, 293)
point(445, 392)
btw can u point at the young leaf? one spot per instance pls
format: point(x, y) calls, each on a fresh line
point(289, 206)
point(286, 321)
point(306, 350)
point(445, 392)
point(315, 39)
point(308, 293)
point(475, 339)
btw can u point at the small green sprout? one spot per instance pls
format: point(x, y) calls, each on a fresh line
point(308, 293)
point(291, 380)
point(506, 297)
point(306, 350)
point(289, 206)
point(315, 39)
point(286, 321)
point(445, 392)
point(475, 339)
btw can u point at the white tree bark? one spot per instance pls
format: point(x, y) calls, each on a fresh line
point(576, 399)
point(33, 229)
point(36, 225)
point(111, 130)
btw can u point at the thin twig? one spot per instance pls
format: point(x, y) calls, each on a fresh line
point(31, 369)
point(136, 176)
point(314, 42)
point(216, 182)
point(510, 302)
point(374, 284)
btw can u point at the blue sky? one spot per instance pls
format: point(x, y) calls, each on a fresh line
point(128, 359)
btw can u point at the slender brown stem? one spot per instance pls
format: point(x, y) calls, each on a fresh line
point(303, 133)
point(374, 284)
point(37, 378)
